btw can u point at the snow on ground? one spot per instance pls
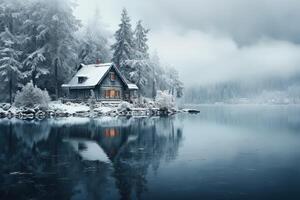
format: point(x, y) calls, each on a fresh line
point(78, 107)
point(13, 109)
point(84, 109)
point(69, 108)
point(104, 109)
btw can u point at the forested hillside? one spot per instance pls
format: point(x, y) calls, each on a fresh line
point(42, 41)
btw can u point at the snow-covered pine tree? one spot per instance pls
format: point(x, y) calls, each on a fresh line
point(139, 68)
point(34, 51)
point(138, 73)
point(56, 29)
point(35, 63)
point(9, 62)
point(123, 48)
point(93, 42)
point(140, 42)
point(155, 74)
point(174, 85)
point(164, 78)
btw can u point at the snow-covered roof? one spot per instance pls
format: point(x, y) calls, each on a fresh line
point(93, 75)
point(132, 86)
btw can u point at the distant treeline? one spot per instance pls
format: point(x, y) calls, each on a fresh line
point(269, 90)
point(43, 42)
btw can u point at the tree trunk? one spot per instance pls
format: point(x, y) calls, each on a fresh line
point(153, 85)
point(33, 74)
point(10, 88)
point(56, 77)
point(139, 83)
point(153, 90)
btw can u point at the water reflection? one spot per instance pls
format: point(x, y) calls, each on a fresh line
point(226, 152)
point(83, 158)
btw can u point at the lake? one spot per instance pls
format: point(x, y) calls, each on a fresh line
point(225, 152)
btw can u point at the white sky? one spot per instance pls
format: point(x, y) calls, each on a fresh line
point(210, 41)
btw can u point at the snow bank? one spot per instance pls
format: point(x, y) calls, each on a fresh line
point(68, 107)
point(104, 109)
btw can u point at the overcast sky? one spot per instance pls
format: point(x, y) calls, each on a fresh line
point(210, 41)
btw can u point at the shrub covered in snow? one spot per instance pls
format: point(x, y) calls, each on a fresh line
point(144, 102)
point(31, 96)
point(164, 100)
point(123, 106)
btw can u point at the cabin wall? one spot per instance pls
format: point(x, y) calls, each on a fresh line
point(103, 89)
point(107, 84)
point(79, 94)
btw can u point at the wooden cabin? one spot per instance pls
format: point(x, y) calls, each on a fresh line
point(105, 80)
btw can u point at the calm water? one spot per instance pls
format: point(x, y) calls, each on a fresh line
point(225, 152)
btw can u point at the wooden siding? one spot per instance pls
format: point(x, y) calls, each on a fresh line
point(106, 84)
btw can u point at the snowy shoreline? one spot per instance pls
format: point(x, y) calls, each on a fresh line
point(63, 110)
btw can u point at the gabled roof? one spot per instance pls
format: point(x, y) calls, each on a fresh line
point(93, 75)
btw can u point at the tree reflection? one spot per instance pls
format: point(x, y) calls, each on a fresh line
point(83, 160)
point(156, 140)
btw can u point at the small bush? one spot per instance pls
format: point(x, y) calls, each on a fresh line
point(164, 100)
point(124, 106)
point(31, 96)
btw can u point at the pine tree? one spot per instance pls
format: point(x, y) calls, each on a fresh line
point(93, 43)
point(174, 85)
point(34, 44)
point(139, 68)
point(61, 44)
point(139, 73)
point(9, 62)
point(140, 41)
point(123, 48)
point(55, 53)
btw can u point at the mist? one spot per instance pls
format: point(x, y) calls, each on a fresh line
point(211, 44)
point(216, 41)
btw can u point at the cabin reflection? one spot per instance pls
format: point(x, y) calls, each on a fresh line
point(111, 132)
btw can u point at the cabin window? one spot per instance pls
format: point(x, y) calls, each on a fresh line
point(81, 79)
point(106, 94)
point(112, 94)
point(112, 76)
